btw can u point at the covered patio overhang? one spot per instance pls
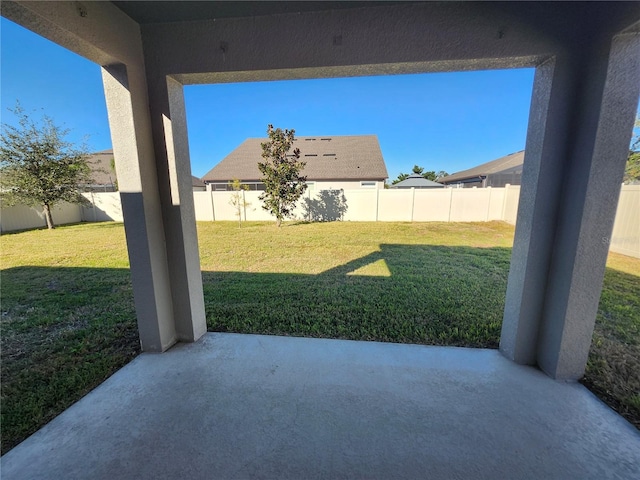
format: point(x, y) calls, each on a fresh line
point(586, 88)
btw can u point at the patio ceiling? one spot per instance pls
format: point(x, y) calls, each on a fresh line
point(167, 12)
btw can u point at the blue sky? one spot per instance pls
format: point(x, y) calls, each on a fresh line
point(444, 121)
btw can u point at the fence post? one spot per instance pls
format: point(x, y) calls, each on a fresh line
point(488, 205)
point(377, 202)
point(504, 201)
point(413, 201)
point(244, 206)
point(450, 203)
point(213, 210)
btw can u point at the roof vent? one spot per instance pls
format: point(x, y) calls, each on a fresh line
point(328, 139)
point(310, 154)
point(308, 139)
point(328, 154)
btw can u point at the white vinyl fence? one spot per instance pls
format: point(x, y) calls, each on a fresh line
point(362, 205)
point(437, 205)
point(625, 237)
point(21, 217)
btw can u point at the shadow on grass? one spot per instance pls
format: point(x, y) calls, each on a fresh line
point(65, 330)
point(402, 293)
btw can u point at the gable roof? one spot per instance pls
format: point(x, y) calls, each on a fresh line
point(103, 174)
point(196, 182)
point(417, 181)
point(344, 157)
point(494, 166)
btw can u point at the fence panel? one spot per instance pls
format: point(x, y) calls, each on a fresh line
point(441, 205)
point(21, 217)
point(432, 205)
point(510, 211)
point(203, 206)
point(105, 206)
point(362, 205)
point(497, 197)
point(469, 205)
point(625, 237)
point(395, 205)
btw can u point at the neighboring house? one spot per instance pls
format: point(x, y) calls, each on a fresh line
point(332, 163)
point(497, 173)
point(103, 177)
point(417, 181)
point(198, 185)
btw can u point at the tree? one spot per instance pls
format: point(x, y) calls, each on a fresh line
point(38, 167)
point(237, 201)
point(112, 166)
point(430, 175)
point(632, 170)
point(401, 177)
point(418, 170)
point(282, 180)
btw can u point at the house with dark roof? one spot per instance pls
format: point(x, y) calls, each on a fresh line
point(416, 180)
point(197, 184)
point(103, 176)
point(332, 163)
point(496, 173)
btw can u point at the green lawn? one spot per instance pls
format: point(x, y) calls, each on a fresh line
point(68, 319)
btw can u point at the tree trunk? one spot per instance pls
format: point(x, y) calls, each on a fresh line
point(48, 217)
point(279, 222)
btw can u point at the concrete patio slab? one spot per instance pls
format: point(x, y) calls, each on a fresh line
point(249, 406)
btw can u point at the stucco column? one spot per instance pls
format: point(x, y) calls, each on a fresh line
point(581, 118)
point(169, 129)
point(126, 97)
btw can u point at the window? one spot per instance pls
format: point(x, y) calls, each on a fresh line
point(368, 184)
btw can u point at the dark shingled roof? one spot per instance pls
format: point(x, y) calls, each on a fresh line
point(494, 166)
point(102, 174)
point(100, 164)
point(196, 182)
point(348, 157)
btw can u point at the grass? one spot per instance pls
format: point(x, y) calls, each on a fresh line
point(417, 283)
point(68, 320)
